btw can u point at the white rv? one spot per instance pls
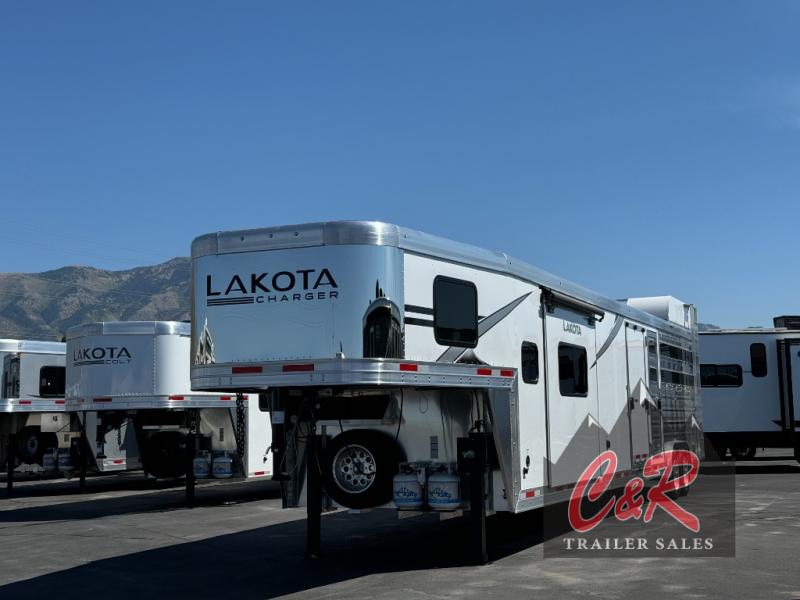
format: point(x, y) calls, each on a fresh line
point(751, 387)
point(32, 405)
point(410, 358)
point(128, 383)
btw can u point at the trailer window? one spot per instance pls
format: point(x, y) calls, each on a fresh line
point(758, 360)
point(573, 372)
point(530, 362)
point(720, 375)
point(455, 312)
point(51, 381)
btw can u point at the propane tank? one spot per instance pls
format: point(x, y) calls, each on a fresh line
point(222, 466)
point(407, 490)
point(50, 460)
point(201, 465)
point(64, 461)
point(444, 490)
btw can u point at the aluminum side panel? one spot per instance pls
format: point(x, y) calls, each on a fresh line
point(315, 305)
point(111, 365)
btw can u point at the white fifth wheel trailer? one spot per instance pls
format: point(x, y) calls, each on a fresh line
point(33, 419)
point(750, 382)
point(128, 384)
point(406, 367)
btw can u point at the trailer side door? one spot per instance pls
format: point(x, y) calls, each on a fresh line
point(573, 425)
point(638, 394)
point(789, 372)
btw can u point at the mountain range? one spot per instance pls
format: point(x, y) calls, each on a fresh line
point(44, 305)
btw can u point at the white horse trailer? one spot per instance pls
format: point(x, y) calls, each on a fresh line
point(33, 419)
point(128, 384)
point(750, 382)
point(400, 365)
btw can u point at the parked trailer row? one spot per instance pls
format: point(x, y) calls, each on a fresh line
point(406, 370)
point(126, 404)
point(384, 367)
point(751, 387)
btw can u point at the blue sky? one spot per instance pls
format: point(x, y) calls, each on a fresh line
point(638, 148)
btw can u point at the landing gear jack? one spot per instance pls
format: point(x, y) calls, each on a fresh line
point(473, 452)
point(313, 494)
point(12, 459)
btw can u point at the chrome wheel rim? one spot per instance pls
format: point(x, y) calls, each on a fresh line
point(354, 469)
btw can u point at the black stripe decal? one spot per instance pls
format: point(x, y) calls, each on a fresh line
point(422, 322)
point(607, 344)
point(419, 309)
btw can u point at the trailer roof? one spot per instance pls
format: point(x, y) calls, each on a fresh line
point(130, 328)
point(751, 330)
point(33, 346)
point(378, 233)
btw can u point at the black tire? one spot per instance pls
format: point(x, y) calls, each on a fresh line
point(358, 467)
point(165, 455)
point(32, 444)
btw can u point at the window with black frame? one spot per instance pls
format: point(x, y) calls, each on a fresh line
point(455, 312)
point(530, 362)
point(758, 359)
point(720, 375)
point(52, 381)
point(573, 370)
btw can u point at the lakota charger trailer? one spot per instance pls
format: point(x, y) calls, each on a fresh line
point(33, 417)
point(402, 366)
point(750, 382)
point(128, 383)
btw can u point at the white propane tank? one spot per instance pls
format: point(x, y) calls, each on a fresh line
point(64, 461)
point(201, 465)
point(222, 466)
point(407, 491)
point(50, 459)
point(444, 491)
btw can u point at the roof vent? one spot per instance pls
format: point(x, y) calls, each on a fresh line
point(787, 321)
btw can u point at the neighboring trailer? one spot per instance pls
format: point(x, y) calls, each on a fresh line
point(401, 366)
point(32, 408)
point(128, 383)
point(751, 387)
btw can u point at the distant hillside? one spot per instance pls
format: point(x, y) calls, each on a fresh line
point(45, 305)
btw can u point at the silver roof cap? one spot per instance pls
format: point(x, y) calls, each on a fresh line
point(130, 328)
point(33, 346)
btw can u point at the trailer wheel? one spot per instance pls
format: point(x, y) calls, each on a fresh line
point(358, 467)
point(32, 443)
point(164, 455)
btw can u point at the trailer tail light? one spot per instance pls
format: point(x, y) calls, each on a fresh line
point(298, 368)
point(118, 461)
point(259, 473)
point(26, 402)
point(243, 370)
point(530, 493)
point(103, 399)
point(506, 373)
point(176, 397)
point(408, 367)
point(60, 401)
point(225, 398)
point(484, 371)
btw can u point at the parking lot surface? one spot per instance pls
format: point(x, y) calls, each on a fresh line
point(131, 538)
